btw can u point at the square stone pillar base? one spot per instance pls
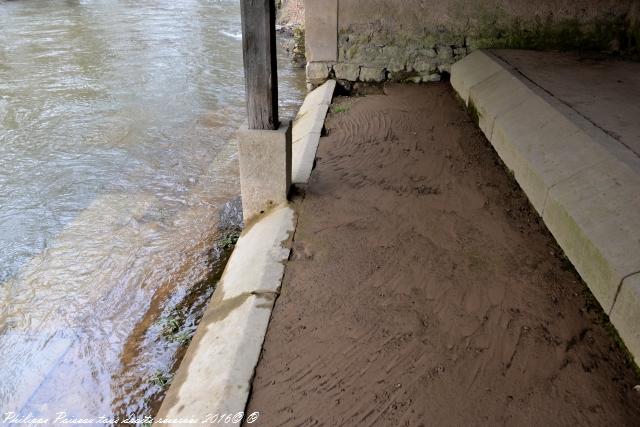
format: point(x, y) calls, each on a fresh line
point(265, 168)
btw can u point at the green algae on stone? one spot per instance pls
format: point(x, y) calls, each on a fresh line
point(546, 34)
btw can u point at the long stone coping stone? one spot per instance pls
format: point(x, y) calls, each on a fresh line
point(472, 70)
point(580, 182)
point(216, 373)
point(307, 128)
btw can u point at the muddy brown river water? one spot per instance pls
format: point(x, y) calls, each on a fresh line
point(118, 193)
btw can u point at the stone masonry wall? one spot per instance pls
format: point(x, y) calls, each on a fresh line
point(419, 40)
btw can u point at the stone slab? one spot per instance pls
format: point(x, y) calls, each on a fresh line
point(602, 89)
point(307, 128)
point(625, 315)
point(216, 372)
point(498, 94)
point(323, 95)
point(304, 155)
point(265, 168)
point(542, 148)
point(256, 266)
point(310, 121)
point(216, 378)
point(321, 28)
point(595, 218)
point(471, 70)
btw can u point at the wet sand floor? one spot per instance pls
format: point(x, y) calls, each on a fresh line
point(424, 290)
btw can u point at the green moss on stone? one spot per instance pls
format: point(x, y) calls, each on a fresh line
point(299, 51)
point(494, 29)
point(539, 34)
point(352, 52)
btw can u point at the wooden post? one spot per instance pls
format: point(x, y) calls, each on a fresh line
point(260, 66)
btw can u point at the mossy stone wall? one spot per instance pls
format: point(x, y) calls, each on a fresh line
point(418, 40)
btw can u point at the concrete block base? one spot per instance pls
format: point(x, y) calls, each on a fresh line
point(265, 168)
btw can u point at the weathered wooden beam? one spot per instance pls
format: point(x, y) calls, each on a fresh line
point(260, 66)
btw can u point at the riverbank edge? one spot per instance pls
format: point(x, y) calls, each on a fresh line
point(217, 371)
point(568, 183)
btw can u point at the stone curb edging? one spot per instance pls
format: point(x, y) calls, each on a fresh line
point(586, 195)
point(216, 373)
point(307, 128)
